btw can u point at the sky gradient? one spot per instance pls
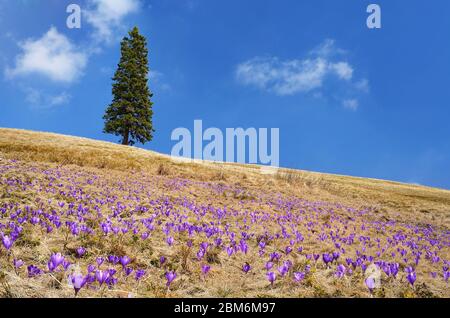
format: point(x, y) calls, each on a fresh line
point(347, 99)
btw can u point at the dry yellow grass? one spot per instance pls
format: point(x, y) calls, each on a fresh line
point(425, 204)
point(116, 164)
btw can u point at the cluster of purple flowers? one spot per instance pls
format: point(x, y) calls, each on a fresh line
point(284, 232)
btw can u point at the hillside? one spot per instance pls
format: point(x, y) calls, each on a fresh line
point(116, 211)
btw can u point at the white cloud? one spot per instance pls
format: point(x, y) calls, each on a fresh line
point(62, 98)
point(351, 104)
point(58, 59)
point(327, 49)
point(342, 69)
point(157, 81)
point(291, 76)
point(53, 55)
point(107, 15)
point(304, 75)
point(363, 85)
point(40, 99)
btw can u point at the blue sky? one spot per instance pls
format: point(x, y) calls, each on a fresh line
point(347, 99)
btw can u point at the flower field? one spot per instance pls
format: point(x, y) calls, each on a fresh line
point(186, 230)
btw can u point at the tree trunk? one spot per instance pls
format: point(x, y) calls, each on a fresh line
point(125, 140)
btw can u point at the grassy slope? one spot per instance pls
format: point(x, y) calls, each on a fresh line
point(425, 204)
point(388, 200)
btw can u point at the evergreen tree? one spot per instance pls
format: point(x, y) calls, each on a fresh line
point(130, 113)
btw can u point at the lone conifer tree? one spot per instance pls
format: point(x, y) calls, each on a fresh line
point(130, 113)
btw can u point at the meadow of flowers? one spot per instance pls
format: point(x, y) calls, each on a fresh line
point(71, 231)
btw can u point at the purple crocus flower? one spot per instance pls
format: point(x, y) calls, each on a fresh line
point(243, 246)
point(17, 263)
point(170, 276)
point(246, 268)
point(57, 259)
point(139, 274)
point(299, 276)
point(411, 277)
point(340, 271)
point(205, 269)
point(113, 259)
point(111, 271)
point(274, 257)
point(204, 246)
point(363, 267)
point(78, 281)
point(7, 242)
point(288, 250)
point(269, 265)
point(446, 276)
point(111, 281)
point(81, 251)
point(170, 240)
point(394, 268)
point(101, 276)
point(283, 270)
point(288, 264)
point(99, 261)
point(125, 260)
point(51, 266)
point(91, 268)
point(128, 271)
point(33, 271)
point(386, 269)
point(65, 264)
point(336, 255)
point(200, 254)
point(327, 258)
point(90, 278)
point(271, 276)
point(370, 283)
point(162, 260)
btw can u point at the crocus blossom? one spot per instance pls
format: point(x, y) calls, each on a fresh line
point(299, 276)
point(411, 278)
point(246, 268)
point(17, 263)
point(34, 271)
point(205, 269)
point(7, 242)
point(101, 276)
point(170, 277)
point(139, 274)
point(370, 283)
point(125, 260)
point(78, 282)
point(81, 251)
point(99, 260)
point(271, 277)
point(56, 259)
